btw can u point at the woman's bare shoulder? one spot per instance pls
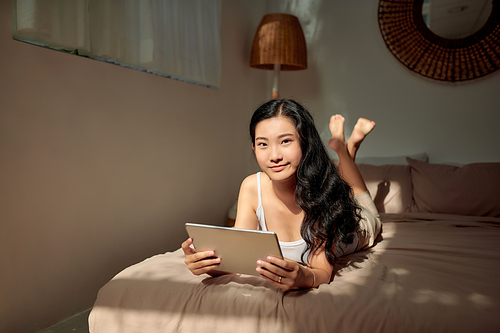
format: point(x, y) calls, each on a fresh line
point(249, 183)
point(247, 204)
point(248, 190)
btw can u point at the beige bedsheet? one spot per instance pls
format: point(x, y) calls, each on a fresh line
point(430, 273)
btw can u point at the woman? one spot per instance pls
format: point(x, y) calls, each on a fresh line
point(318, 212)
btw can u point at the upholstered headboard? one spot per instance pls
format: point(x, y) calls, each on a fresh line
point(416, 186)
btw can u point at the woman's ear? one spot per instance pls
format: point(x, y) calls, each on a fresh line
point(253, 147)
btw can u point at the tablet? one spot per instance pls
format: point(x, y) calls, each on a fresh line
point(239, 249)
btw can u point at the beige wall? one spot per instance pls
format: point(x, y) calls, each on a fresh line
point(101, 166)
point(352, 72)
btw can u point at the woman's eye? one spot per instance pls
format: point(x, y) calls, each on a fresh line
point(286, 141)
point(261, 144)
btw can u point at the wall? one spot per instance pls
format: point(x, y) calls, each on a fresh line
point(101, 166)
point(352, 72)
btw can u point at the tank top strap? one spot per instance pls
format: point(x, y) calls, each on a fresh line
point(259, 190)
point(260, 208)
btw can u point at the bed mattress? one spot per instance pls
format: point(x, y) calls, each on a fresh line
point(429, 273)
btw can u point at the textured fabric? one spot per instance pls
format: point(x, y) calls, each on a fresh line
point(369, 227)
point(430, 273)
point(468, 190)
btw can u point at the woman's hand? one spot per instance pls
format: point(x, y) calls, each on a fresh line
point(199, 262)
point(285, 273)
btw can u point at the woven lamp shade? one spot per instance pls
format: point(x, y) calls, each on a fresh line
point(279, 40)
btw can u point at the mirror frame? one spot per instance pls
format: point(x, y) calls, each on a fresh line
point(452, 60)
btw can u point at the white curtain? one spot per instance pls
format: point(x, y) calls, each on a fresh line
point(179, 39)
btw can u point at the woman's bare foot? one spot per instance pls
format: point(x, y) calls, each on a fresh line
point(346, 166)
point(360, 131)
point(337, 142)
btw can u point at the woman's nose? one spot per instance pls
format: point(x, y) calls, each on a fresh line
point(276, 155)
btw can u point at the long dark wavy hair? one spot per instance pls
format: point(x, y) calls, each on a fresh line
point(331, 213)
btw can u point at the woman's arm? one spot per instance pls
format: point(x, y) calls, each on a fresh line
point(321, 267)
point(248, 201)
point(204, 262)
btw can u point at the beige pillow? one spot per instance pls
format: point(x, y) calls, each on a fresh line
point(468, 190)
point(389, 186)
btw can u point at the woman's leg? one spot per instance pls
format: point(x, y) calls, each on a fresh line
point(347, 151)
point(360, 131)
point(369, 225)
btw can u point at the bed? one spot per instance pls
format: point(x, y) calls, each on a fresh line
point(435, 269)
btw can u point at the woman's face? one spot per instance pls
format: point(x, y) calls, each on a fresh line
point(277, 148)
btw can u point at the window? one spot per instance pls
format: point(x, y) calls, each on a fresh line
point(178, 39)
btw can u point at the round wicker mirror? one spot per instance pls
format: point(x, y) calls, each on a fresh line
point(418, 48)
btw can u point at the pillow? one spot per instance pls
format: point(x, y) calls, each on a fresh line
point(389, 185)
point(468, 190)
point(397, 160)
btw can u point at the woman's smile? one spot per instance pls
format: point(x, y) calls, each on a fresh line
point(278, 168)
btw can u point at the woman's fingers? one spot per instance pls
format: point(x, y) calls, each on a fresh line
point(198, 256)
point(277, 266)
point(279, 281)
point(203, 266)
point(199, 262)
point(186, 247)
point(282, 273)
point(202, 262)
point(286, 264)
point(286, 274)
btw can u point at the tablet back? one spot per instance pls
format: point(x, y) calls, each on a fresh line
point(239, 249)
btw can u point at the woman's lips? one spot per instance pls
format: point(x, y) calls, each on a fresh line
point(278, 168)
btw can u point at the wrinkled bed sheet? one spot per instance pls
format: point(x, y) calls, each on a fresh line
point(430, 273)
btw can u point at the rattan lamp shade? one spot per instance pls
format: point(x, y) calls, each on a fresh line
point(279, 40)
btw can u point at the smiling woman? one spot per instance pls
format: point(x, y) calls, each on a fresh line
point(318, 212)
point(175, 39)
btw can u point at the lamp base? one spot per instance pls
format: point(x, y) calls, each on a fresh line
point(276, 80)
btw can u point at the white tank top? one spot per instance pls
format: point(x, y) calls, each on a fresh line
point(290, 250)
